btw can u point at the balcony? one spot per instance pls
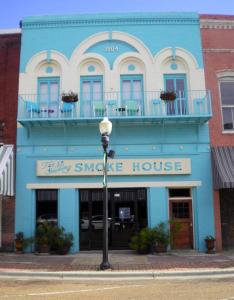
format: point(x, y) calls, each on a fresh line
point(194, 108)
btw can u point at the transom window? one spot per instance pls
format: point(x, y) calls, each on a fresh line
point(227, 102)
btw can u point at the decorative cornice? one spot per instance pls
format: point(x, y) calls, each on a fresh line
point(215, 50)
point(217, 24)
point(10, 31)
point(112, 19)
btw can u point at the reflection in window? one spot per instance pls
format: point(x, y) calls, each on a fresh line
point(46, 206)
point(227, 102)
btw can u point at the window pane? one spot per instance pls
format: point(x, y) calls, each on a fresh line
point(126, 86)
point(97, 89)
point(86, 88)
point(180, 88)
point(180, 210)
point(54, 91)
point(43, 91)
point(227, 93)
point(170, 85)
point(137, 89)
point(46, 206)
point(228, 118)
point(179, 193)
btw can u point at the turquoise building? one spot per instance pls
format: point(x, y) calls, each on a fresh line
point(115, 66)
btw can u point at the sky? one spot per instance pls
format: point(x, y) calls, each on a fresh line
point(12, 11)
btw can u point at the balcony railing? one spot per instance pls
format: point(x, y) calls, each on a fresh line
point(196, 104)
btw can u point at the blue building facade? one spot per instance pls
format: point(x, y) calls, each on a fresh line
point(119, 66)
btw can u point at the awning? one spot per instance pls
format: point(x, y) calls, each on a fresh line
point(223, 167)
point(6, 170)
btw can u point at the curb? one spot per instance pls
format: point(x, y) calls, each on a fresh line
point(113, 275)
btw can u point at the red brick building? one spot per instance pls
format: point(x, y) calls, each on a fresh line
point(217, 33)
point(9, 72)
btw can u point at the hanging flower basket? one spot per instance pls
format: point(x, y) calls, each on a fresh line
point(69, 97)
point(168, 95)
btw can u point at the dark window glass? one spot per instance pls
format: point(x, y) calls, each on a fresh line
point(180, 210)
point(46, 206)
point(179, 193)
point(227, 99)
point(228, 118)
point(227, 93)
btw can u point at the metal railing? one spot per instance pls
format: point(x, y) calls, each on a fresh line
point(116, 105)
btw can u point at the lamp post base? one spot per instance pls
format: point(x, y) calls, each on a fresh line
point(105, 266)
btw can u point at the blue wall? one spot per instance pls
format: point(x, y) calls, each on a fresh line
point(170, 141)
point(159, 30)
point(129, 140)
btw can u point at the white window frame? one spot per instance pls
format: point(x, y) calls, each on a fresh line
point(226, 77)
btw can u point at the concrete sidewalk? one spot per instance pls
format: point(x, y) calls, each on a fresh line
point(120, 261)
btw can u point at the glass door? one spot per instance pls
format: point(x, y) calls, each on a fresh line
point(176, 83)
point(48, 93)
point(127, 214)
point(132, 94)
point(92, 96)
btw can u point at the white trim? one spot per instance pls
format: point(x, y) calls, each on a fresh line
point(10, 31)
point(228, 132)
point(96, 185)
point(1, 199)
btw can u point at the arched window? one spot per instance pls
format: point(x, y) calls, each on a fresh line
point(227, 102)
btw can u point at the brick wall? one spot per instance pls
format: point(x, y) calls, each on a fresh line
point(217, 34)
point(9, 74)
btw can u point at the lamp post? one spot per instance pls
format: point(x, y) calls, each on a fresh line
point(105, 127)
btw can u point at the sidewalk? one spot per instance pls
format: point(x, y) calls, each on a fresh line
point(120, 261)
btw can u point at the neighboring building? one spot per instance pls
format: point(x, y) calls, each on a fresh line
point(9, 74)
point(218, 48)
point(117, 63)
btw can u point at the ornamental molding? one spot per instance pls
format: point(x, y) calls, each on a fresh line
point(216, 24)
point(137, 20)
point(215, 50)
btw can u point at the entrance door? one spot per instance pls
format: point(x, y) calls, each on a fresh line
point(127, 213)
point(181, 213)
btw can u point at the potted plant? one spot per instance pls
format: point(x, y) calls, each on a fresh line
point(210, 244)
point(43, 237)
point(162, 237)
point(168, 95)
point(69, 97)
point(19, 242)
point(61, 242)
point(144, 241)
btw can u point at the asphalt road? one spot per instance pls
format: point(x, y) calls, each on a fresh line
point(222, 289)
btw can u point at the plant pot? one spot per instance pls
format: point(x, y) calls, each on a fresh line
point(160, 247)
point(43, 248)
point(210, 245)
point(168, 96)
point(69, 99)
point(19, 245)
point(143, 251)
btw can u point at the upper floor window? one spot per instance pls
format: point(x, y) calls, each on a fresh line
point(132, 93)
point(176, 83)
point(227, 102)
point(48, 95)
point(92, 96)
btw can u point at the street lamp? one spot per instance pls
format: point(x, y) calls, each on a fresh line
point(105, 127)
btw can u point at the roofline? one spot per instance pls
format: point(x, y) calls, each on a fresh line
point(10, 31)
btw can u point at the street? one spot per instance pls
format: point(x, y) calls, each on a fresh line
point(220, 289)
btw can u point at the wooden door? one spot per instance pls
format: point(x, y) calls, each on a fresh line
point(181, 213)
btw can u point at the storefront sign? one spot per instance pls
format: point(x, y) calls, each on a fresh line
point(167, 166)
